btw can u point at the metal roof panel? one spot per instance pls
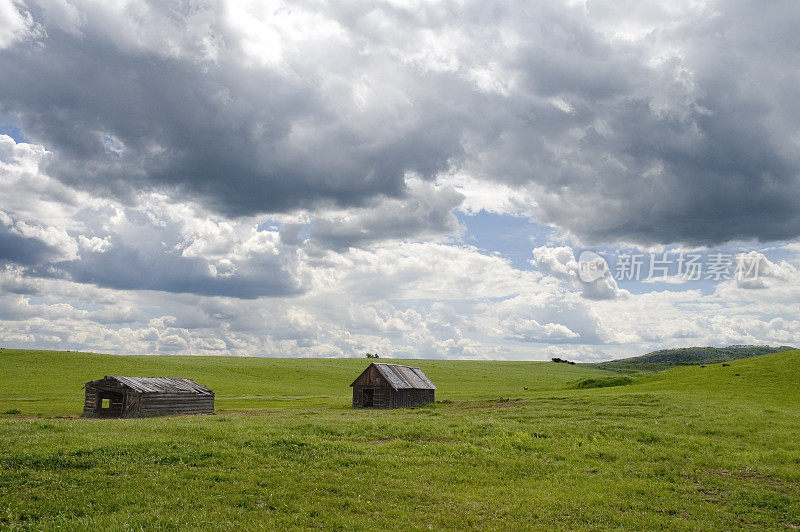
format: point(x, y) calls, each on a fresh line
point(161, 384)
point(404, 377)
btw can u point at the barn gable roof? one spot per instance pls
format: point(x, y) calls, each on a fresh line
point(161, 385)
point(402, 377)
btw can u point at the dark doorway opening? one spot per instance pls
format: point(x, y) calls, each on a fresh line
point(369, 397)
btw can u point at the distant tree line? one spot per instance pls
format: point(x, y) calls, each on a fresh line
point(373, 355)
point(562, 361)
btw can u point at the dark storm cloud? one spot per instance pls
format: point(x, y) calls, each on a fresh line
point(128, 268)
point(684, 132)
point(17, 249)
point(427, 212)
point(243, 139)
point(689, 136)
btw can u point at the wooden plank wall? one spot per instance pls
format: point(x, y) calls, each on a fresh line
point(382, 397)
point(414, 397)
point(388, 397)
point(90, 403)
point(153, 404)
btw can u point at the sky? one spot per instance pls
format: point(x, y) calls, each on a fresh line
point(419, 179)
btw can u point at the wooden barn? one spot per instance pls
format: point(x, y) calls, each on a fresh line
point(392, 386)
point(115, 396)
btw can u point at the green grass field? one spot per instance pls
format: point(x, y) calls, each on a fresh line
point(688, 448)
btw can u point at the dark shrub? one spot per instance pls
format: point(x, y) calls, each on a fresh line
point(603, 383)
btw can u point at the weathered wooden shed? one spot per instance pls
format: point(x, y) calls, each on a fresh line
point(116, 396)
point(392, 386)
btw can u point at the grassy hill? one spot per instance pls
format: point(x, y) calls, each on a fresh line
point(691, 447)
point(666, 358)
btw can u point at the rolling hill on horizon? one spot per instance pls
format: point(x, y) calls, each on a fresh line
point(687, 356)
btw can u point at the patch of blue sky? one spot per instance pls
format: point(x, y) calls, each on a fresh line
point(77, 305)
point(112, 144)
point(305, 232)
point(269, 225)
point(460, 306)
point(274, 225)
point(511, 237)
point(9, 125)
